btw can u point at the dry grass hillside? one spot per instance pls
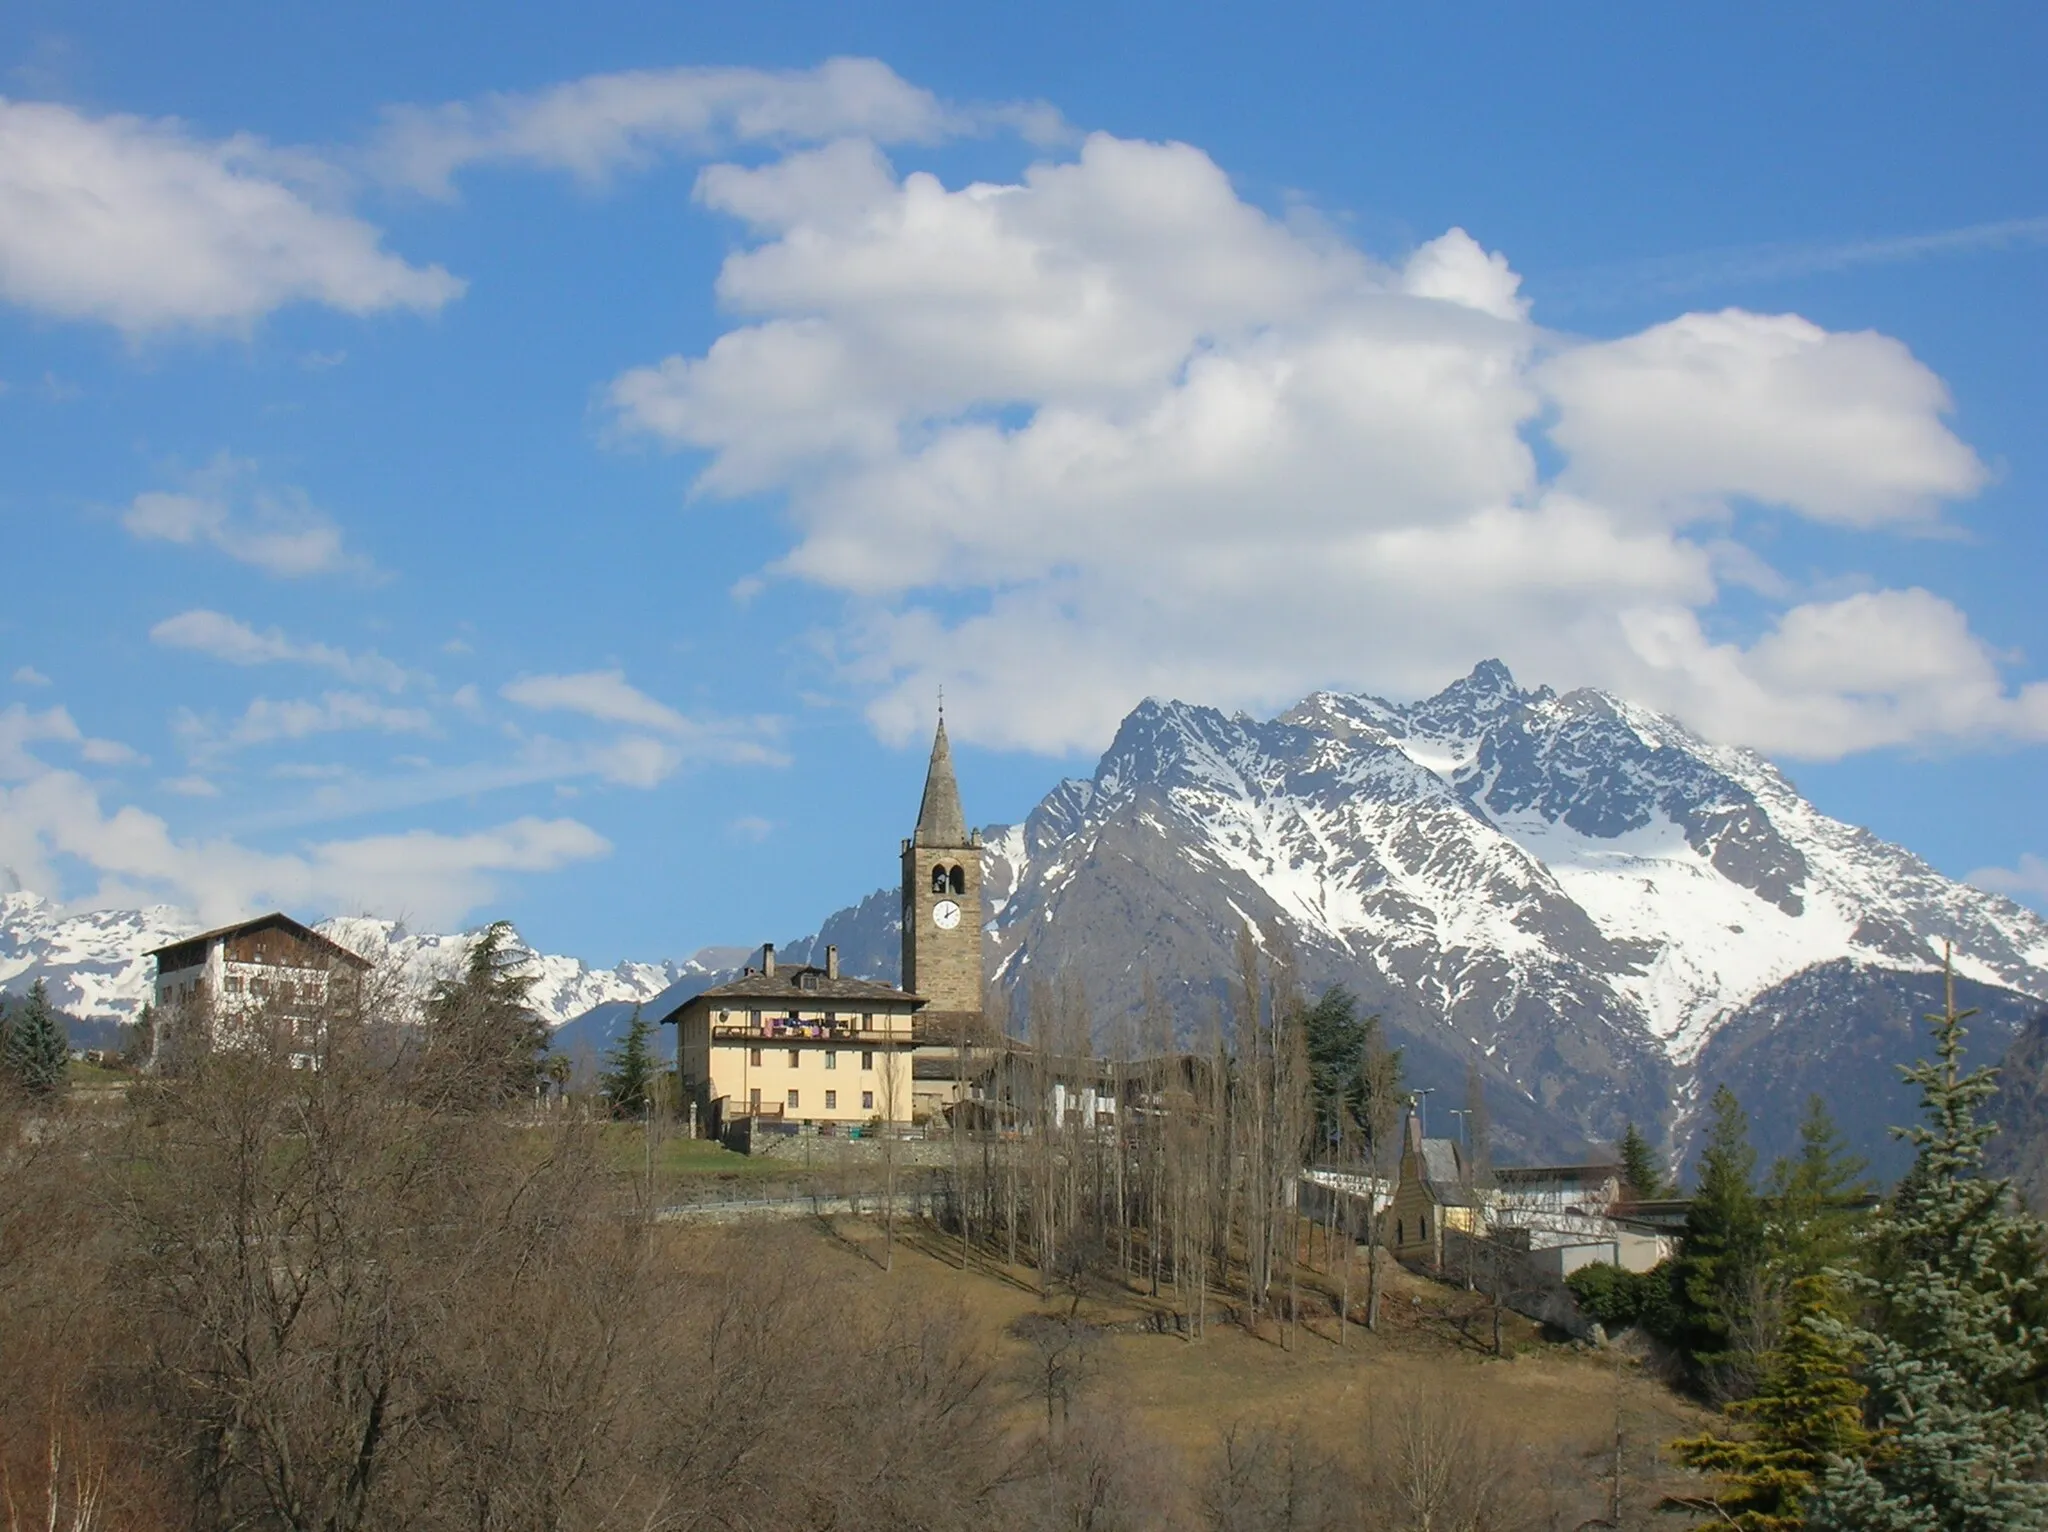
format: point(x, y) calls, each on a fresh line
point(1539, 1425)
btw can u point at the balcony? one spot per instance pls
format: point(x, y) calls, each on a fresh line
point(852, 1029)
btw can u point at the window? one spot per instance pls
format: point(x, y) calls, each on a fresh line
point(754, 1057)
point(831, 1058)
point(1400, 1232)
point(867, 1058)
point(795, 1058)
point(831, 1100)
point(792, 1101)
point(939, 880)
point(958, 878)
point(1423, 1227)
point(754, 1099)
point(867, 1101)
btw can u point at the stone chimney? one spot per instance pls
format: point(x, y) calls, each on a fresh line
point(831, 962)
point(767, 960)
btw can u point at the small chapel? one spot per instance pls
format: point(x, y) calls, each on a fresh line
point(805, 1045)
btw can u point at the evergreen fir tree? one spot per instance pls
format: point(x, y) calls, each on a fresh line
point(485, 1040)
point(1641, 1166)
point(1955, 1350)
point(630, 1071)
point(37, 1054)
point(1815, 1200)
point(1713, 1280)
point(1335, 1036)
point(1807, 1412)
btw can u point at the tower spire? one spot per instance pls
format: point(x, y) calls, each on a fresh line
point(939, 820)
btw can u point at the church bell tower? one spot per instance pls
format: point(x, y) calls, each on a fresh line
point(942, 958)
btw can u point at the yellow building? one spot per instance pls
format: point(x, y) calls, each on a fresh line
point(796, 1044)
point(807, 1045)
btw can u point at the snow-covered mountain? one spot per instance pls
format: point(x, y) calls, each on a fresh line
point(1608, 911)
point(564, 987)
point(95, 968)
point(1578, 890)
point(93, 964)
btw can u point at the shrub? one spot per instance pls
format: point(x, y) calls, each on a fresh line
point(1618, 1298)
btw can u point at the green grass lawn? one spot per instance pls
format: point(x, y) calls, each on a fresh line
point(679, 1160)
point(78, 1072)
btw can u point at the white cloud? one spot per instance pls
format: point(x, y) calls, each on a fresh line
point(602, 694)
point(28, 675)
point(1667, 276)
point(192, 787)
point(226, 638)
point(427, 876)
point(636, 760)
point(279, 531)
point(2027, 881)
point(1830, 678)
point(20, 728)
point(109, 752)
point(1842, 428)
point(597, 125)
point(298, 540)
point(1110, 430)
point(265, 721)
point(145, 226)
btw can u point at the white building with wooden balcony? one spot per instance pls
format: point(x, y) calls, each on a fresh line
point(223, 988)
point(799, 1044)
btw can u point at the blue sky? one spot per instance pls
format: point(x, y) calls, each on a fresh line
point(457, 463)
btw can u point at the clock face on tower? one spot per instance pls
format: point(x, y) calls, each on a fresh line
point(945, 914)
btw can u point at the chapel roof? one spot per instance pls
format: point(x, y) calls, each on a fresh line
point(1443, 1174)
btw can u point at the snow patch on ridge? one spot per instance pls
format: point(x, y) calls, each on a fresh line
point(1717, 943)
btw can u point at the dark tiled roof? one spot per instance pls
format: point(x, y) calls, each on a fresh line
point(802, 986)
point(275, 920)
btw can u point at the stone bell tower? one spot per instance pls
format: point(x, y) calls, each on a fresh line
point(942, 902)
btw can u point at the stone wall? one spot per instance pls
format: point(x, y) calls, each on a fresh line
point(1523, 1285)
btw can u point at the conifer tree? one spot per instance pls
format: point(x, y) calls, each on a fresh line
point(1814, 1200)
point(1955, 1347)
point(1336, 1037)
point(484, 1038)
point(629, 1070)
point(1713, 1280)
point(1807, 1412)
point(37, 1053)
point(1641, 1166)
